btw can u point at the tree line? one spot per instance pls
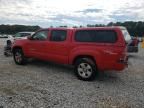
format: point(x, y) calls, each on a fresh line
point(134, 28)
point(12, 29)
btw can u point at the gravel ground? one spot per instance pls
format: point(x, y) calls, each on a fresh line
point(46, 85)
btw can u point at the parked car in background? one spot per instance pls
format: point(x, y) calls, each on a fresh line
point(132, 42)
point(19, 35)
point(133, 45)
point(89, 50)
point(11, 39)
point(7, 49)
point(140, 39)
point(3, 36)
point(126, 34)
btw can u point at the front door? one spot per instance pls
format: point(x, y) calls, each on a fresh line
point(36, 45)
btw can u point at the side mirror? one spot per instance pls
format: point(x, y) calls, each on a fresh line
point(29, 37)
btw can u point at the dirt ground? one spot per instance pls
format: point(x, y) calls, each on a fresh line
point(46, 85)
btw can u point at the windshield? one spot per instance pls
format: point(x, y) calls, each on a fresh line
point(126, 35)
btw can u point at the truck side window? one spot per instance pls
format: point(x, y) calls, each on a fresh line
point(58, 35)
point(99, 36)
point(41, 35)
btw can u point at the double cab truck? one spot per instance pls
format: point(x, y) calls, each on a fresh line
point(89, 50)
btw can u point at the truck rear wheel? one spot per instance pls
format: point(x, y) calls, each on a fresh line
point(85, 69)
point(19, 57)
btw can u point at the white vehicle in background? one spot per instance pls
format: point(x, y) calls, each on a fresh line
point(19, 35)
point(132, 42)
point(11, 39)
point(3, 36)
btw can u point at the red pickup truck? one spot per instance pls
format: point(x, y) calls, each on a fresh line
point(88, 49)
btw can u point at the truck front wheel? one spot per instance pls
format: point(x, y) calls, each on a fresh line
point(85, 69)
point(19, 57)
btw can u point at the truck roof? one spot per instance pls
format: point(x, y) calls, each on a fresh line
point(85, 28)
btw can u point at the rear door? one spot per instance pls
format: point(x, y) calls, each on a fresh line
point(58, 46)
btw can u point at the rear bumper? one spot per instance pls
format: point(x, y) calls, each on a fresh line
point(121, 64)
point(116, 65)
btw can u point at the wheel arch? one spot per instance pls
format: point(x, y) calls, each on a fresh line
point(16, 47)
point(84, 56)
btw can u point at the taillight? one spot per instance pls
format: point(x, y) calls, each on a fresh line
point(123, 57)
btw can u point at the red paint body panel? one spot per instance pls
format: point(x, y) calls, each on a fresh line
point(108, 56)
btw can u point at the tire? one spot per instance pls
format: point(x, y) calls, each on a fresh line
point(19, 57)
point(136, 50)
point(9, 42)
point(85, 69)
point(5, 54)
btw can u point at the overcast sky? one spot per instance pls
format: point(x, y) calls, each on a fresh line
point(69, 12)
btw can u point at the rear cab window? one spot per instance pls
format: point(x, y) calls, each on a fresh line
point(98, 36)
